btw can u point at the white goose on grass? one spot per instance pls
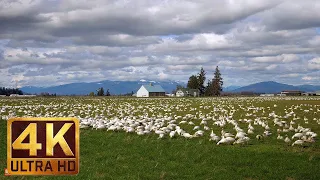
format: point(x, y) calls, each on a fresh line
point(172, 133)
point(226, 140)
point(287, 139)
point(279, 137)
point(243, 140)
point(298, 142)
point(187, 135)
point(297, 135)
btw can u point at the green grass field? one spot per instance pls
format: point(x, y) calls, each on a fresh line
point(120, 155)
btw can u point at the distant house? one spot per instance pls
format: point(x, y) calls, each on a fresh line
point(266, 95)
point(25, 95)
point(2, 95)
point(170, 95)
point(14, 95)
point(281, 94)
point(184, 92)
point(317, 93)
point(150, 90)
point(292, 93)
point(309, 94)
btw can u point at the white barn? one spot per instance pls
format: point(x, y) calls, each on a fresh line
point(150, 90)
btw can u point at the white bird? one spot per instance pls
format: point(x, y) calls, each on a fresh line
point(242, 140)
point(161, 136)
point(287, 140)
point(298, 142)
point(297, 135)
point(196, 128)
point(187, 135)
point(258, 137)
point(199, 133)
point(240, 135)
point(172, 133)
point(214, 138)
point(212, 134)
point(226, 140)
point(250, 131)
point(267, 133)
point(280, 137)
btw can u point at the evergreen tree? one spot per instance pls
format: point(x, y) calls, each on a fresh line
point(107, 93)
point(209, 89)
point(8, 91)
point(91, 94)
point(201, 79)
point(217, 82)
point(100, 92)
point(193, 82)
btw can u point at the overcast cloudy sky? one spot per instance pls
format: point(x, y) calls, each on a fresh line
point(51, 42)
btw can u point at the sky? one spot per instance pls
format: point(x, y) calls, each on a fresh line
point(54, 42)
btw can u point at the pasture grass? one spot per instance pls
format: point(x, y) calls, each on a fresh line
point(119, 155)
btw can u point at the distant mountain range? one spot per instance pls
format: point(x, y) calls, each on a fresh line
point(274, 87)
point(123, 87)
point(115, 87)
point(230, 88)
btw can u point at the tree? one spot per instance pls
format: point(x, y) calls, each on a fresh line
point(209, 89)
point(177, 88)
point(217, 82)
point(8, 91)
point(201, 79)
point(193, 82)
point(91, 94)
point(100, 92)
point(107, 93)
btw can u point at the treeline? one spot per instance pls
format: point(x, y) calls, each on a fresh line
point(213, 86)
point(8, 91)
point(100, 92)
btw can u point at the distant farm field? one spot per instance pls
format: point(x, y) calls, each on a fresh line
point(185, 138)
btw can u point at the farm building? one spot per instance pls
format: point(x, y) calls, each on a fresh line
point(18, 95)
point(266, 95)
point(150, 90)
point(309, 94)
point(281, 94)
point(292, 93)
point(317, 93)
point(187, 92)
point(14, 95)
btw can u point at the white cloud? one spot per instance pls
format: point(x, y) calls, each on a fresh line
point(284, 58)
point(314, 64)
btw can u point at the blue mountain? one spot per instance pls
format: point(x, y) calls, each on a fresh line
point(115, 87)
point(230, 88)
point(274, 87)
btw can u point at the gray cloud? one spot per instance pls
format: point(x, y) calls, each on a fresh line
point(78, 40)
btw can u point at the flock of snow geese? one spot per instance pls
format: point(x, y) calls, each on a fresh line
point(220, 120)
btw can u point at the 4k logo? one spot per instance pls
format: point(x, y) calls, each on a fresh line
point(43, 146)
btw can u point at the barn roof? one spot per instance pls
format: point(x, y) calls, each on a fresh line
point(153, 88)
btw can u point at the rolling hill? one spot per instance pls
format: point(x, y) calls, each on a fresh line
point(274, 87)
point(115, 87)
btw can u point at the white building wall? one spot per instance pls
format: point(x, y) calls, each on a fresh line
point(179, 93)
point(142, 92)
